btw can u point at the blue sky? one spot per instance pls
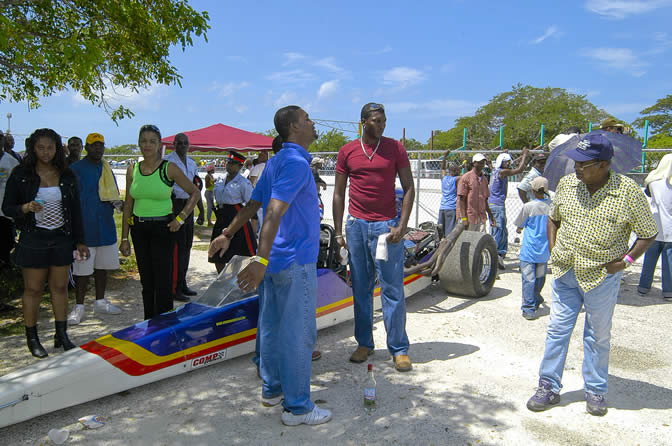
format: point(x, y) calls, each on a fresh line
point(429, 62)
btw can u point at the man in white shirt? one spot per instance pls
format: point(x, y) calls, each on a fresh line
point(255, 173)
point(7, 164)
point(186, 237)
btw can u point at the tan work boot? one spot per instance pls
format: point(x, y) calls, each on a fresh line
point(360, 355)
point(402, 363)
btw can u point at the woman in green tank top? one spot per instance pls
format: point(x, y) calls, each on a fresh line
point(148, 216)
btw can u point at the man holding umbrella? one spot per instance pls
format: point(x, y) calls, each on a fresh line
point(591, 218)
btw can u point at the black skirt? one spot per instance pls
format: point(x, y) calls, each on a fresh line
point(243, 243)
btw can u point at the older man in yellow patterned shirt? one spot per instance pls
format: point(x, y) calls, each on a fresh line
point(591, 218)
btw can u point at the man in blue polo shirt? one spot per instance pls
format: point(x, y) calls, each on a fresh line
point(100, 232)
point(285, 269)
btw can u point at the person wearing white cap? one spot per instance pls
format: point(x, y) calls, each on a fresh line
point(499, 188)
point(472, 194)
point(659, 185)
point(534, 253)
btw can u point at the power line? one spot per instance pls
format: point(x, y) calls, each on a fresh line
point(341, 126)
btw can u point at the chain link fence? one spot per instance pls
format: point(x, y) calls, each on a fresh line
point(426, 168)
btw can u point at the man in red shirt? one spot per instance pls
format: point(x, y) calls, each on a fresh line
point(372, 164)
point(472, 194)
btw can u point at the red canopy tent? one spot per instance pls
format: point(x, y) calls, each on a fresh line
point(220, 138)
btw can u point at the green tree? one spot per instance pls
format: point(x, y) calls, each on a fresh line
point(521, 112)
point(124, 149)
point(92, 47)
point(270, 132)
point(659, 116)
point(330, 141)
point(414, 144)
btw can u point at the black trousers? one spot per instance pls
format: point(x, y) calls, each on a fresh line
point(6, 239)
point(155, 250)
point(185, 239)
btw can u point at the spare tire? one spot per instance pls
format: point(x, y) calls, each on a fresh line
point(470, 268)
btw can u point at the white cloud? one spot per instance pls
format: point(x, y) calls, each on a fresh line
point(143, 99)
point(241, 108)
point(227, 89)
point(403, 77)
point(291, 76)
point(620, 9)
point(436, 107)
point(292, 57)
point(286, 98)
point(328, 89)
point(550, 31)
point(622, 59)
point(329, 63)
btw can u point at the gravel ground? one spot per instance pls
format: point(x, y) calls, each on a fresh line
point(475, 365)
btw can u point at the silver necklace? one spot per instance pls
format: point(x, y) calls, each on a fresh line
point(364, 150)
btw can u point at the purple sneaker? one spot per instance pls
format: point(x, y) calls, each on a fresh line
point(596, 404)
point(544, 398)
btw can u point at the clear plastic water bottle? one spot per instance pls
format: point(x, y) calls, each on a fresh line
point(370, 391)
point(343, 252)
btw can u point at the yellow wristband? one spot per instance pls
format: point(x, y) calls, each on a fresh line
point(261, 260)
point(464, 218)
point(179, 220)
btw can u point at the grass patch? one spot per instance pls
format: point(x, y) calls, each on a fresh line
point(11, 322)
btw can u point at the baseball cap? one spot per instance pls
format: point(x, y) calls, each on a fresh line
point(501, 158)
point(593, 146)
point(539, 184)
point(478, 157)
point(610, 122)
point(95, 137)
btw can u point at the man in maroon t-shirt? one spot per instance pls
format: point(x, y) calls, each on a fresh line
point(372, 163)
point(472, 197)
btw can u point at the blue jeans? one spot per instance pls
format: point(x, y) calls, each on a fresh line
point(534, 278)
point(599, 303)
point(650, 262)
point(362, 237)
point(500, 233)
point(287, 333)
point(446, 220)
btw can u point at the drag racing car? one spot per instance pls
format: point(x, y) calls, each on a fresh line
point(222, 324)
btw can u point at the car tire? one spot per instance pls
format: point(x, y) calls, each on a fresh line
point(470, 269)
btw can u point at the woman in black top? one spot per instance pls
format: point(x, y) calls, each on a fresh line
point(43, 199)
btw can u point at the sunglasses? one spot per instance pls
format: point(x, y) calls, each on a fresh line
point(372, 106)
point(582, 168)
point(151, 128)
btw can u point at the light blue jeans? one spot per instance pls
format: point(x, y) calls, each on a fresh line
point(651, 261)
point(568, 298)
point(362, 237)
point(500, 233)
point(534, 278)
point(287, 333)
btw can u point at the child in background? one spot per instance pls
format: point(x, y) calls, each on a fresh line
point(534, 253)
point(448, 206)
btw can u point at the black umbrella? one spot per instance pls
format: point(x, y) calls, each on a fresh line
point(627, 156)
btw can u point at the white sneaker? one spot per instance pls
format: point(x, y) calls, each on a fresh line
point(76, 315)
point(317, 416)
point(103, 306)
point(273, 401)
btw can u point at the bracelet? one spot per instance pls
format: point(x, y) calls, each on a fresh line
point(339, 236)
point(124, 239)
point(628, 260)
point(464, 218)
point(179, 220)
point(226, 233)
point(261, 260)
